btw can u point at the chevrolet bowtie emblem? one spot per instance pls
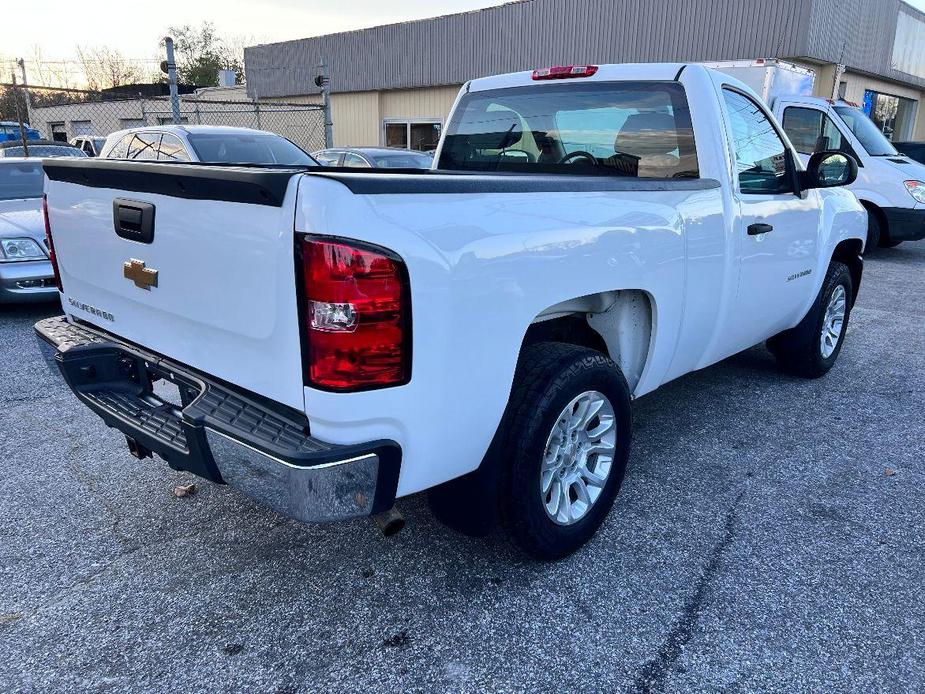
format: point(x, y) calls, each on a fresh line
point(143, 277)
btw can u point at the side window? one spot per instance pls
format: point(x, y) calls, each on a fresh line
point(120, 149)
point(144, 146)
point(810, 130)
point(172, 149)
point(760, 154)
point(832, 138)
point(327, 158)
point(803, 126)
point(355, 161)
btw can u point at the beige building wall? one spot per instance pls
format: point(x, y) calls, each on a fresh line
point(358, 117)
point(433, 102)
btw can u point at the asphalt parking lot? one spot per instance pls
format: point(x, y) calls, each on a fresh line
point(770, 537)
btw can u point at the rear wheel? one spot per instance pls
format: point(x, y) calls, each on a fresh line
point(564, 442)
point(812, 347)
point(874, 232)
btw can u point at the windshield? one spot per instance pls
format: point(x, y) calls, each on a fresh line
point(43, 151)
point(636, 129)
point(867, 133)
point(21, 180)
point(247, 148)
point(409, 160)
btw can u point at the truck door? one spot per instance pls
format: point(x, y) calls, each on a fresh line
point(776, 231)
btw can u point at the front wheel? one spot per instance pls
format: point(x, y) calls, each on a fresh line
point(812, 347)
point(564, 442)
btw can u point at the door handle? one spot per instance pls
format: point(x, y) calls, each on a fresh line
point(133, 220)
point(759, 228)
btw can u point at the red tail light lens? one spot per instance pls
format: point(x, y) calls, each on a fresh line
point(357, 316)
point(564, 72)
point(51, 244)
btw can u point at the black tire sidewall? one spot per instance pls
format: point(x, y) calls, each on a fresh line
point(523, 508)
point(838, 276)
point(875, 235)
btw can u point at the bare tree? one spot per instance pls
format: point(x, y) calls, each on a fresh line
point(105, 67)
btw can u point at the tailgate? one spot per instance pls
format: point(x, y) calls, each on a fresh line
point(193, 262)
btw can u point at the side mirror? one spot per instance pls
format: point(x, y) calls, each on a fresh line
point(829, 169)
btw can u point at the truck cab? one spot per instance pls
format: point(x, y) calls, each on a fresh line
point(890, 185)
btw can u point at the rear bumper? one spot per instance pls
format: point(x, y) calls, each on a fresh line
point(27, 281)
point(220, 432)
point(905, 223)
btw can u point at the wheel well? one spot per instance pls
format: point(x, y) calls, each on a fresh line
point(849, 253)
point(874, 210)
point(616, 323)
point(573, 329)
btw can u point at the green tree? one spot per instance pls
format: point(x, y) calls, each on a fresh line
point(201, 53)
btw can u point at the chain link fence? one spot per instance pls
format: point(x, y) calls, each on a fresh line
point(64, 114)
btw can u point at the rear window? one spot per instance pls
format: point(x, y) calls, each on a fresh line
point(635, 129)
point(21, 180)
point(244, 148)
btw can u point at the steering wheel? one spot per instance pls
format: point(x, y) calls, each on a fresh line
point(579, 154)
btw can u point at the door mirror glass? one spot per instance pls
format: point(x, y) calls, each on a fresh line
point(829, 169)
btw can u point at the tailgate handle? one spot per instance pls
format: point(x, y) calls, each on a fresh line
point(133, 220)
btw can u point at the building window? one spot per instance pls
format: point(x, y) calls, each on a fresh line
point(127, 123)
point(58, 132)
point(894, 116)
point(420, 134)
point(168, 120)
point(81, 127)
point(842, 90)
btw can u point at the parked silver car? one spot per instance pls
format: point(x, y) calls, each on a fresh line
point(25, 269)
point(204, 143)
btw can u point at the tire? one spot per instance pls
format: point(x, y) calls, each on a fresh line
point(874, 233)
point(551, 377)
point(887, 242)
point(801, 350)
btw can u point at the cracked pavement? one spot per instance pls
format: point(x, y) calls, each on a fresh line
point(758, 545)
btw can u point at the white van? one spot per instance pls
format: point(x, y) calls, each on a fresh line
point(890, 185)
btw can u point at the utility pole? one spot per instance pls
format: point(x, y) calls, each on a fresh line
point(22, 129)
point(323, 81)
point(25, 91)
point(172, 80)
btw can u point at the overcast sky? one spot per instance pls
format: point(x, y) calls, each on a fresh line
point(134, 28)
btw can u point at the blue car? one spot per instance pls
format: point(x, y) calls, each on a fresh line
point(9, 130)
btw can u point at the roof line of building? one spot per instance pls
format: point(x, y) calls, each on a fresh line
point(360, 30)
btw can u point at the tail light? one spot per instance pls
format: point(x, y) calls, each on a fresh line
point(564, 72)
point(51, 244)
point(356, 314)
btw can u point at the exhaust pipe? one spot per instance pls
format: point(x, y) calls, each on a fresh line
point(390, 522)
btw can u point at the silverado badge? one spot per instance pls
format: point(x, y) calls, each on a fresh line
point(143, 277)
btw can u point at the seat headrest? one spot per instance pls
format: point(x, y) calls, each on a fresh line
point(645, 134)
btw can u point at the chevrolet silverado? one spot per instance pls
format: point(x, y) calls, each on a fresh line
point(326, 340)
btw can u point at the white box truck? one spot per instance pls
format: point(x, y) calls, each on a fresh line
point(890, 185)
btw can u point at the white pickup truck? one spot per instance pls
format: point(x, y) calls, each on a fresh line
point(339, 339)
